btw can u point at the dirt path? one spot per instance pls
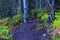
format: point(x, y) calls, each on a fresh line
point(29, 32)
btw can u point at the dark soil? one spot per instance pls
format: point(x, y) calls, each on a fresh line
point(29, 31)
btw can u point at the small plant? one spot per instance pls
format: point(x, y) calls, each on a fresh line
point(40, 12)
point(16, 19)
point(56, 26)
point(4, 21)
point(4, 32)
point(56, 22)
point(13, 21)
point(38, 25)
point(55, 38)
point(42, 16)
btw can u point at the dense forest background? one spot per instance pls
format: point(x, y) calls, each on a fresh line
point(12, 7)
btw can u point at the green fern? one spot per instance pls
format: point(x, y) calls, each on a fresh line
point(4, 32)
point(16, 19)
point(55, 38)
point(57, 20)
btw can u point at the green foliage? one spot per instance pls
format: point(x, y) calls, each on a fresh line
point(38, 25)
point(57, 19)
point(40, 12)
point(42, 15)
point(55, 38)
point(56, 22)
point(4, 21)
point(16, 19)
point(4, 31)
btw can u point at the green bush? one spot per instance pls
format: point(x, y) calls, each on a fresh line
point(56, 22)
point(4, 32)
point(44, 17)
point(16, 19)
point(42, 14)
point(6, 25)
point(4, 21)
point(12, 21)
point(55, 38)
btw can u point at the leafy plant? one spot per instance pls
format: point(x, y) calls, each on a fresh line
point(42, 16)
point(55, 38)
point(56, 22)
point(38, 25)
point(57, 19)
point(4, 32)
point(16, 19)
point(4, 21)
point(40, 12)
point(11, 22)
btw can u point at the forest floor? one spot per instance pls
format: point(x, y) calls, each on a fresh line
point(29, 31)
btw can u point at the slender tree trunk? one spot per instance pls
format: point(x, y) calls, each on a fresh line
point(40, 4)
point(25, 10)
point(36, 4)
point(52, 14)
point(20, 6)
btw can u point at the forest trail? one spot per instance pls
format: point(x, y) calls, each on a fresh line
point(29, 32)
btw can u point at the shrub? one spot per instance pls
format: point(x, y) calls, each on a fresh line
point(4, 32)
point(42, 16)
point(13, 21)
point(55, 38)
point(16, 19)
point(55, 25)
point(4, 21)
point(56, 22)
